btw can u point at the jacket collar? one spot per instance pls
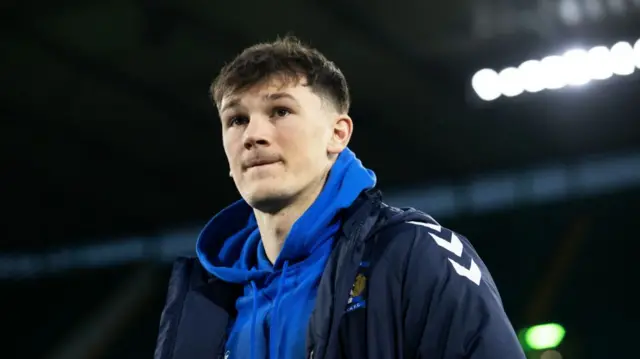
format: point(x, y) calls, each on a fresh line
point(361, 217)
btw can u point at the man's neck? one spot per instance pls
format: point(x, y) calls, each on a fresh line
point(275, 227)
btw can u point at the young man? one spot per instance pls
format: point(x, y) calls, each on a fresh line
point(310, 263)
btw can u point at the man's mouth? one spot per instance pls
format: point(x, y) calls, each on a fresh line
point(260, 163)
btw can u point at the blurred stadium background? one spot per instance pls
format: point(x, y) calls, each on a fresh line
point(516, 123)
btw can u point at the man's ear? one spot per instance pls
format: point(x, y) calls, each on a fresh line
point(341, 134)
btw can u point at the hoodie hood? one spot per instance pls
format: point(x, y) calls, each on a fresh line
point(229, 246)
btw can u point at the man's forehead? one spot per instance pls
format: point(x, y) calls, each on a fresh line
point(265, 94)
point(265, 91)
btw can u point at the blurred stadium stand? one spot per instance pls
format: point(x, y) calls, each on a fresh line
point(113, 158)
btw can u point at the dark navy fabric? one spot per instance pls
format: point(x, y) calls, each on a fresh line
point(274, 310)
point(397, 285)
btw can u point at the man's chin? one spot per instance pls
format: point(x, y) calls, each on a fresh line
point(268, 201)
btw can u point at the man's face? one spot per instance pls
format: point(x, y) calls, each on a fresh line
point(278, 139)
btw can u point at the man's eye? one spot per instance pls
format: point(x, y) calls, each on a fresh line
point(237, 121)
point(281, 112)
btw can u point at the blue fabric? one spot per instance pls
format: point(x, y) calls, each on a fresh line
point(278, 299)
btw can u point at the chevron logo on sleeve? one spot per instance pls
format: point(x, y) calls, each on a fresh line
point(454, 246)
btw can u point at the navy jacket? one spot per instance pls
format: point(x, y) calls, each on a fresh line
point(397, 285)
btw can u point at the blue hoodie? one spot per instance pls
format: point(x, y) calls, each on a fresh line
point(278, 299)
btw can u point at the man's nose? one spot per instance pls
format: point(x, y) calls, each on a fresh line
point(257, 132)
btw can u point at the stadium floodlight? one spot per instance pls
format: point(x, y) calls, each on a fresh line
point(543, 336)
point(576, 67)
point(553, 74)
point(485, 84)
point(622, 58)
point(599, 63)
point(531, 73)
point(510, 82)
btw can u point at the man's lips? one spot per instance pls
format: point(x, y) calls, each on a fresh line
point(257, 162)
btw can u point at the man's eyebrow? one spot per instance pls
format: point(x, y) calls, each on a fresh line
point(231, 103)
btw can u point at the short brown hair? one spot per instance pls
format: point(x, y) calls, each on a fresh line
point(287, 57)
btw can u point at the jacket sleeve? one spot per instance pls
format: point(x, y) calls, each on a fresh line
point(452, 301)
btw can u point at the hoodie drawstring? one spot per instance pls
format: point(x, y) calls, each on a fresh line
point(253, 319)
point(274, 342)
point(274, 315)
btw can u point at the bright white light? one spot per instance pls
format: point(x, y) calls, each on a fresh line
point(510, 83)
point(599, 63)
point(485, 84)
point(553, 74)
point(574, 68)
point(636, 54)
point(622, 58)
point(531, 75)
